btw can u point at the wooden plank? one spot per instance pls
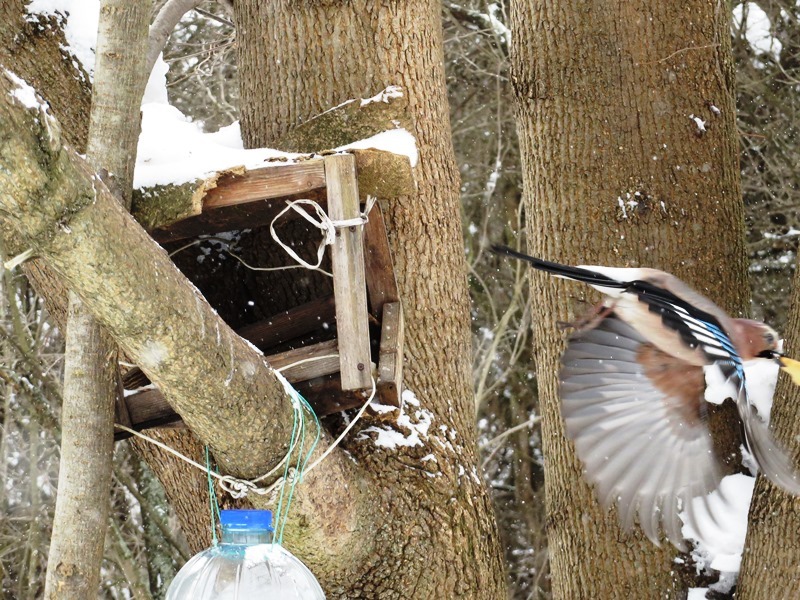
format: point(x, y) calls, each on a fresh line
point(324, 360)
point(290, 324)
point(326, 397)
point(390, 360)
point(246, 215)
point(149, 408)
point(239, 199)
point(349, 284)
point(381, 280)
point(265, 183)
point(121, 414)
point(162, 206)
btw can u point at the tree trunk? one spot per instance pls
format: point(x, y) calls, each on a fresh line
point(90, 374)
point(329, 53)
point(771, 559)
point(618, 170)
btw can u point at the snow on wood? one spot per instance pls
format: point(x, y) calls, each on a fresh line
point(181, 171)
point(390, 360)
point(414, 420)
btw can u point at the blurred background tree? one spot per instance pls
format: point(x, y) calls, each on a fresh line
point(144, 547)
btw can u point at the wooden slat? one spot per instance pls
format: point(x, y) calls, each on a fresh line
point(326, 397)
point(325, 361)
point(381, 281)
point(290, 324)
point(121, 414)
point(284, 326)
point(149, 408)
point(266, 183)
point(349, 283)
point(390, 360)
point(245, 215)
point(247, 199)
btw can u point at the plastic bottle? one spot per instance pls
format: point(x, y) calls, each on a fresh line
point(245, 565)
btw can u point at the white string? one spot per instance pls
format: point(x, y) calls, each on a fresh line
point(323, 222)
point(335, 443)
point(239, 488)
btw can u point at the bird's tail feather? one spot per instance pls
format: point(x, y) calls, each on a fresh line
point(773, 460)
point(565, 271)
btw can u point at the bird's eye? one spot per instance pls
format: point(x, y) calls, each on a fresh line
point(769, 338)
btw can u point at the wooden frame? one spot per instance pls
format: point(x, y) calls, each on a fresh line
point(339, 374)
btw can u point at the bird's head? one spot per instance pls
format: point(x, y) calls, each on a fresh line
point(754, 339)
point(759, 340)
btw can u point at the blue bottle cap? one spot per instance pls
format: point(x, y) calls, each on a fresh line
point(246, 519)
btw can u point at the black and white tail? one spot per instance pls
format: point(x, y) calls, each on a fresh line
point(565, 271)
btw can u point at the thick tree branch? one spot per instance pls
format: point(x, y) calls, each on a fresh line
point(62, 211)
point(217, 382)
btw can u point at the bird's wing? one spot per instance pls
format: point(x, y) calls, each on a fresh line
point(636, 415)
point(679, 328)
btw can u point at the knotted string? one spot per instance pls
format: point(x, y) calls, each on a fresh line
point(322, 222)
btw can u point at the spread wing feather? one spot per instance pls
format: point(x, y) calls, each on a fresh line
point(639, 450)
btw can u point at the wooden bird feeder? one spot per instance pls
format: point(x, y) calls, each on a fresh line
point(364, 283)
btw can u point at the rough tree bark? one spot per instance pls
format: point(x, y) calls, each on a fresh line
point(619, 171)
point(34, 50)
point(329, 53)
point(91, 378)
point(771, 559)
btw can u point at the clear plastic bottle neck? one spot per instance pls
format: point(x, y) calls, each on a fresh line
point(245, 537)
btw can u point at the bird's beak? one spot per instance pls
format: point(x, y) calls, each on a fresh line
point(792, 367)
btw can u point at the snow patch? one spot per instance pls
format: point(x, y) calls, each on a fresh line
point(417, 427)
point(757, 26)
point(174, 150)
point(393, 91)
point(398, 141)
point(153, 354)
point(494, 11)
point(156, 90)
point(25, 94)
point(718, 387)
point(719, 546)
point(760, 377)
point(701, 124)
point(80, 30)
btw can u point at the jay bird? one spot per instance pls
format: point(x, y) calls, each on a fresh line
point(634, 381)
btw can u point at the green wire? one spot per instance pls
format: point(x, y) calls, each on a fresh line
point(279, 510)
point(301, 406)
point(212, 499)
